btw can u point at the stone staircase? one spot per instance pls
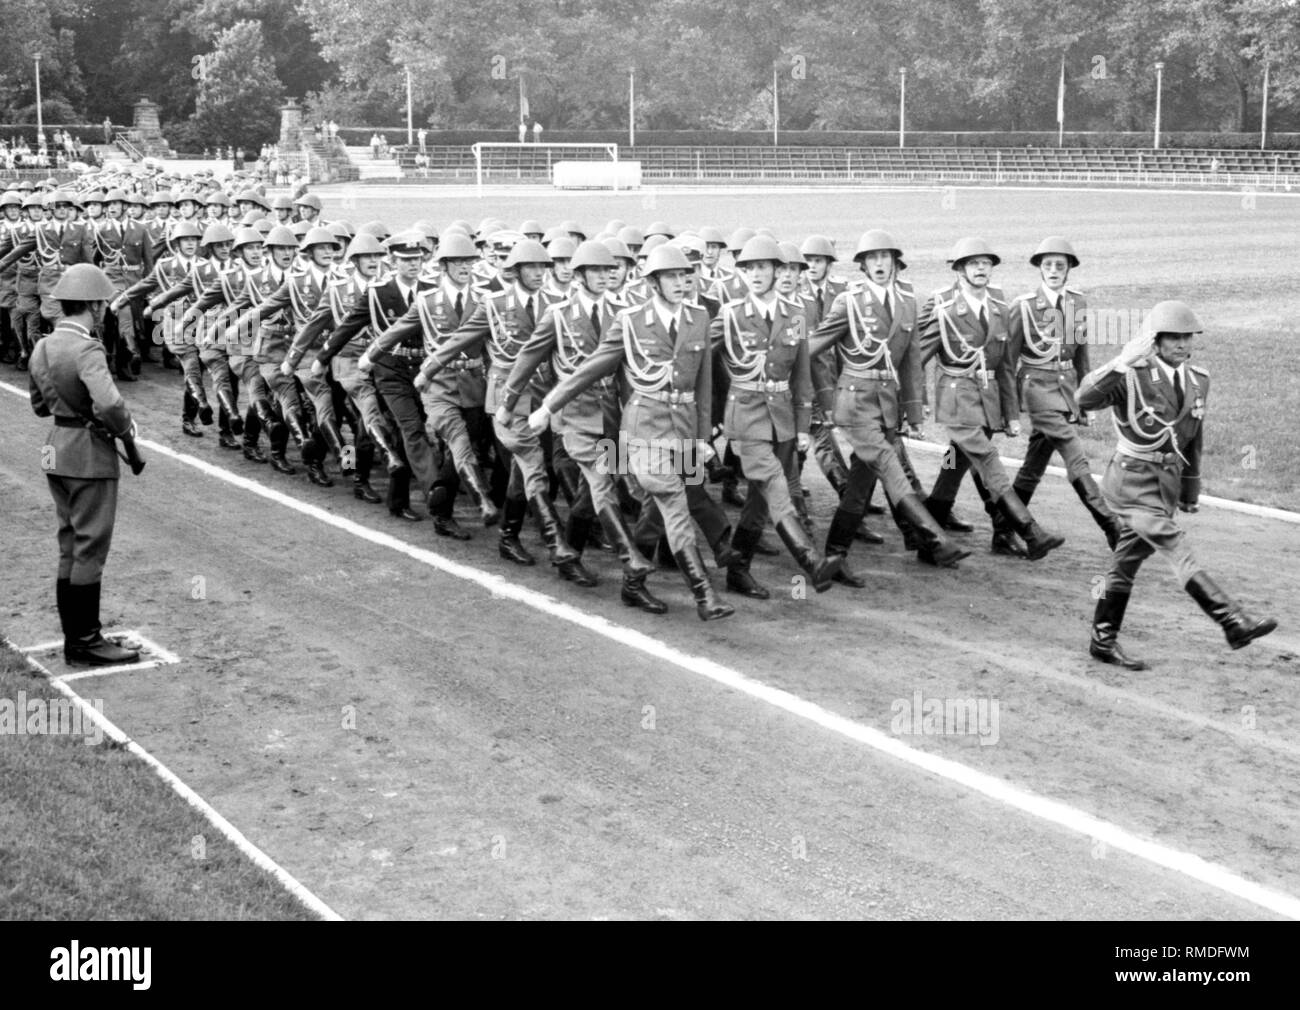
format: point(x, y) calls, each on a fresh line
point(373, 168)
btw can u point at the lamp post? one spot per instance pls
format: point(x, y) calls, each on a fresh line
point(410, 137)
point(1263, 114)
point(40, 122)
point(1160, 75)
point(902, 102)
point(631, 106)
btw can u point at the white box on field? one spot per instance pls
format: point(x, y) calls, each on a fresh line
point(597, 174)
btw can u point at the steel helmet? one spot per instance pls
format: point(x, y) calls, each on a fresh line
point(84, 282)
point(364, 244)
point(573, 228)
point(427, 228)
point(614, 224)
point(281, 234)
point(33, 201)
point(342, 230)
point(504, 241)
point(11, 199)
point(552, 233)
point(792, 254)
point(263, 225)
point(317, 236)
point(1054, 245)
point(760, 247)
point(968, 247)
point(739, 237)
point(63, 196)
point(456, 246)
point(309, 200)
point(650, 244)
point(660, 228)
point(282, 202)
point(246, 236)
point(630, 235)
point(407, 244)
point(136, 198)
point(251, 218)
point(527, 250)
point(618, 249)
point(115, 195)
point(454, 228)
point(95, 196)
point(254, 197)
point(880, 241)
point(301, 228)
point(463, 225)
point(665, 257)
point(218, 198)
point(1172, 317)
point(713, 236)
point(217, 233)
point(375, 228)
point(186, 229)
point(562, 248)
point(160, 197)
point(532, 229)
point(592, 254)
point(819, 245)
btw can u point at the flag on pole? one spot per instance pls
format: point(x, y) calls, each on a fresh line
point(1060, 95)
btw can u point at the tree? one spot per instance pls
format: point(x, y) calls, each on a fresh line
point(239, 93)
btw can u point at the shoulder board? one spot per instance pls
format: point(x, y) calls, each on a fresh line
point(996, 295)
point(1199, 370)
point(903, 285)
point(1073, 291)
point(734, 303)
point(794, 301)
point(944, 296)
point(615, 302)
point(379, 282)
point(1028, 296)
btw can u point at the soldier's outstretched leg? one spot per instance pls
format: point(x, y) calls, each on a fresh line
point(1239, 628)
point(510, 546)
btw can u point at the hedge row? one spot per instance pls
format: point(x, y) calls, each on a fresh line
point(87, 133)
point(834, 138)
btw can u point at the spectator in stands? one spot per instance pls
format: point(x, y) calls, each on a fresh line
point(523, 131)
point(383, 146)
point(108, 130)
point(422, 160)
point(334, 132)
point(537, 132)
point(374, 146)
point(423, 135)
point(239, 159)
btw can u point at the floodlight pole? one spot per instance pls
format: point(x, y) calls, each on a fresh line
point(40, 121)
point(1160, 75)
point(902, 102)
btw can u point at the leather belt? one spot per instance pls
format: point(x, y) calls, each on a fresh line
point(465, 365)
point(672, 396)
point(867, 373)
point(983, 374)
point(765, 386)
point(1054, 366)
point(68, 422)
point(406, 352)
point(1147, 456)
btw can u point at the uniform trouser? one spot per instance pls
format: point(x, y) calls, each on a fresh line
point(361, 389)
point(525, 448)
point(397, 388)
point(192, 368)
point(1052, 432)
point(285, 390)
point(875, 458)
point(660, 477)
point(225, 383)
point(25, 317)
point(459, 428)
point(86, 510)
point(320, 393)
point(970, 447)
point(651, 524)
point(1144, 497)
point(766, 464)
point(590, 453)
point(51, 311)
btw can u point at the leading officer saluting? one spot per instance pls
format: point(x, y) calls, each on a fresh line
point(71, 381)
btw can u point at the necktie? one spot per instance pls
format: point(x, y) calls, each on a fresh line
point(410, 294)
point(821, 301)
point(460, 306)
point(887, 316)
point(595, 319)
point(767, 318)
point(984, 320)
point(672, 331)
point(532, 316)
point(1178, 387)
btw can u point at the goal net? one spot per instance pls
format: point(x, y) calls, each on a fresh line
point(568, 166)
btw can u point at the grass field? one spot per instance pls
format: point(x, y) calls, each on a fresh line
point(1232, 256)
point(90, 832)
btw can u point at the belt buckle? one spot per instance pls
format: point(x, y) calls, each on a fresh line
point(674, 397)
point(770, 385)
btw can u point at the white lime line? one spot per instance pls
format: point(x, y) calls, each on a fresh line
point(157, 656)
point(1051, 811)
point(233, 834)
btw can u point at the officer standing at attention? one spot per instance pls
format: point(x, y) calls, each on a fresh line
point(70, 380)
point(1159, 406)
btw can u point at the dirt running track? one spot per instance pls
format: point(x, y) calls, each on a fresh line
point(505, 763)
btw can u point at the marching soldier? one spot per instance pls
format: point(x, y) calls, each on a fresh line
point(25, 313)
point(662, 351)
point(1048, 334)
point(1158, 401)
point(70, 381)
point(121, 248)
point(503, 322)
point(568, 333)
point(762, 342)
point(873, 330)
point(453, 401)
point(58, 244)
point(964, 327)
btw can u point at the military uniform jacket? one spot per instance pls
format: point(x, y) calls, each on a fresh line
point(57, 245)
point(500, 323)
point(1157, 442)
point(1049, 346)
point(120, 251)
point(822, 296)
point(879, 381)
point(167, 273)
point(383, 305)
point(433, 319)
point(293, 302)
point(975, 386)
point(70, 379)
point(566, 337)
point(729, 288)
point(666, 384)
point(157, 246)
point(217, 302)
point(251, 289)
point(769, 395)
point(342, 293)
point(203, 274)
point(22, 271)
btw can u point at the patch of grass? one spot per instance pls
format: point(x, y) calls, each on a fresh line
point(91, 832)
point(1229, 255)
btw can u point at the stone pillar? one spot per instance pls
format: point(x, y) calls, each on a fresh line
point(290, 126)
point(145, 127)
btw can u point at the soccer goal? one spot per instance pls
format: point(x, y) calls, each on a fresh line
point(566, 166)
